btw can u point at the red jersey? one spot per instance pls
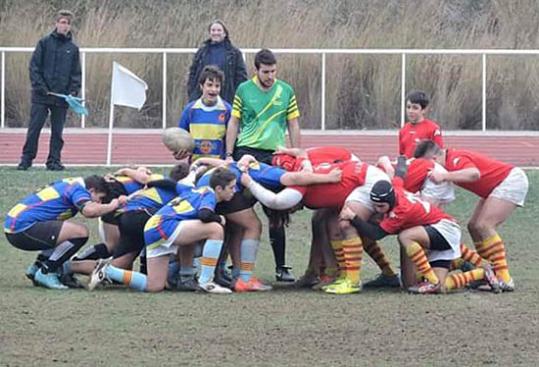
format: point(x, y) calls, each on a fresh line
point(411, 134)
point(333, 194)
point(417, 173)
point(316, 156)
point(410, 211)
point(492, 172)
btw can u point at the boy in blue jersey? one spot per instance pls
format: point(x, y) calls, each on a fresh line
point(131, 218)
point(40, 222)
point(206, 117)
point(184, 221)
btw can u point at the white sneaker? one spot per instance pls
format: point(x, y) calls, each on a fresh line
point(99, 273)
point(507, 287)
point(211, 287)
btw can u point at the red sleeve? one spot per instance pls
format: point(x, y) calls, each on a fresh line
point(437, 136)
point(301, 189)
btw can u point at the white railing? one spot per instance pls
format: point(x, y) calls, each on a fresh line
point(322, 52)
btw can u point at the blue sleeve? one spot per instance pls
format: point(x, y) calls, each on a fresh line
point(185, 119)
point(79, 196)
point(268, 176)
point(209, 201)
point(182, 188)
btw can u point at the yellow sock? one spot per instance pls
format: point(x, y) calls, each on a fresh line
point(377, 254)
point(494, 250)
point(416, 253)
point(460, 280)
point(353, 253)
point(336, 245)
point(467, 254)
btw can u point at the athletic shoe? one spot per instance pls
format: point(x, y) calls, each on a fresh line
point(507, 286)
point(284, 274)
point(382, 280)
point(346, 286)
point(99, 274)
point(24, 165)
point(426, 288)
point(491, 279)
point(307, 280)
point(49, 280)
point(253, 285)
point(56, 166)
point(466, 266)
point(223, 277)
point(186, 285)
point(325, 280)
point(341, 278)
point(211, 287)
point(31, 272)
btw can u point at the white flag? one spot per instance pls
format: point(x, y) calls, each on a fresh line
point(127, 88)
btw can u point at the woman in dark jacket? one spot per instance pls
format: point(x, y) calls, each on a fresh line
point(218, 50)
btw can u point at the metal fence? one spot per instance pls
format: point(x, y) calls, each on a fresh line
point(484, 53)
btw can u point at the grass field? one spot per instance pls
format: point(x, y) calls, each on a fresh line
point(286, 327)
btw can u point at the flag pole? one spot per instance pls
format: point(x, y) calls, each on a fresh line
point(111, 118)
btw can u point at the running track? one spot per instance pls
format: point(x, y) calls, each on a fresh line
point(130, 146)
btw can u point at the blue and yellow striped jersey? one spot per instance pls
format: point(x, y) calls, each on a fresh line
point(152, 198)
point(186, 206)
point(60, 200)
point(262, 173)
point(207, 126)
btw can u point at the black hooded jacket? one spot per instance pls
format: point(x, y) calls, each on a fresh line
point(55, 67)
point(234, 70)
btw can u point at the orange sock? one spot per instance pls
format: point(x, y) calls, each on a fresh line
point(467, 254)
point(337, 245)
point(353, 253)
point(494, 250)
point(416, 253)
point(460, 280)
point(377, 254)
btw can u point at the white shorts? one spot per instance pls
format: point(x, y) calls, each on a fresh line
point(166, 247)
point(439, 194)
point(452, 234)
point(362, 194)
point(514, 188)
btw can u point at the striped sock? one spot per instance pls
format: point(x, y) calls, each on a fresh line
point(249, 248)
point(480, 248)
point(460, 280)
point(377, 254)
point(456, 264)
point(210, 256)
point(467, 254)
point(337, 245)
point(416, 253)
point(353, 253)
point(494, 250)
point(132, 279)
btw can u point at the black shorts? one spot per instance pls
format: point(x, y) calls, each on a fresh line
point(240, 201)
point(40, 236)
point(131, 225)
point(437, 241)
point(261, 155)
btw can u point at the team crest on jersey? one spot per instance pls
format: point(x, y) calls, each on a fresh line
point(221, 117)
point(206, 146)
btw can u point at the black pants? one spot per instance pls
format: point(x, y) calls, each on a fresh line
point(277, 234)
point(38, 115)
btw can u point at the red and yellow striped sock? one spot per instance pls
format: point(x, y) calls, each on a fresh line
point(416, 253)
point(353, 253)
point(337, 245)
point(480, 248)
point(373, 249)
point(467, 254)
point(495, 252)
point(460, 280)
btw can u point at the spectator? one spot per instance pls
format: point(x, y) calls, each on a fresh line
point(217, 50)
point(54, 67)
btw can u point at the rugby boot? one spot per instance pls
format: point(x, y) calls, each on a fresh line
point(49, 280)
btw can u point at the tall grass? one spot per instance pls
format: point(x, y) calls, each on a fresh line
point(362, 92)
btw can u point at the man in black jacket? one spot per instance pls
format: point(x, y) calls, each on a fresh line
point(54, 67)
point(218, 50)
